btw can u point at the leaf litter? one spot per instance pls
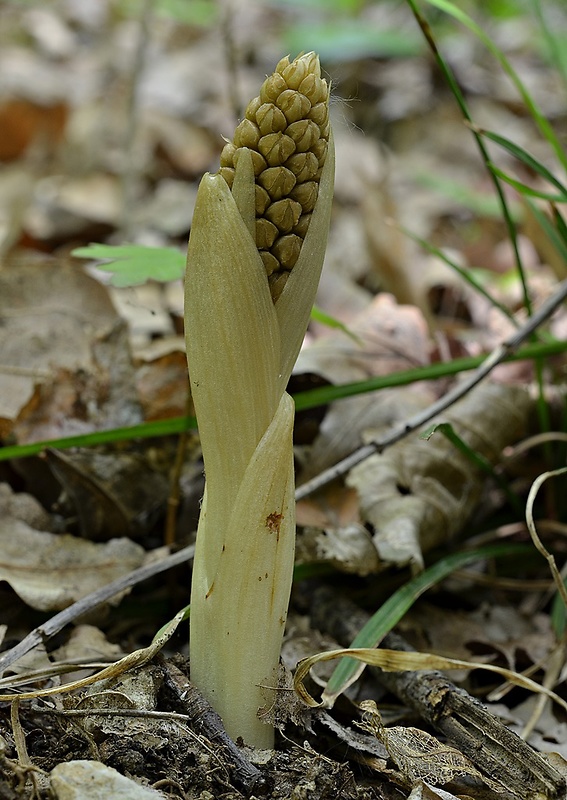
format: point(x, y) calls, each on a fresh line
point(70, 364)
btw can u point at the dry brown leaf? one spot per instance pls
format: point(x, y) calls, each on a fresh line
point(417, 754)
point(162, 381)
point(417, 494)
point(492, 633)
point(49, 571)
point(390, 338)
point(87, 643)
point(115, 493)
point(24, 123)
point(348, 548)
point(65, 365)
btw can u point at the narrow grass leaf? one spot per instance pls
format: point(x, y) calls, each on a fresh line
point(561, 225)
point(526, 190)
point(461, 102)
point(402, 661)
point(527, 159)
point(555, 235)
point(303, 400)
point(318, 315)
point(540, 120)
point(465, 274)
point(555, 46)
point(392, 611)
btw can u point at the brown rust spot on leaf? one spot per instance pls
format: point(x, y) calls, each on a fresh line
point(273, 523)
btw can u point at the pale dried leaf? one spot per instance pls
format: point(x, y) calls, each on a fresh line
point(417, 494)
point(65, 366)
point(90, 780)
point(417, 754)
point(347, 548)
point(24, 507)
point(391, 338)
point(87, 643)
point(49, 572)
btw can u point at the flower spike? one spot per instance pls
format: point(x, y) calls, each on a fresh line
point(255, 255)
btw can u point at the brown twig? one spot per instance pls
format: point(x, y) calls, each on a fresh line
point(508, 346)
point(467, 724)
point(44, 632)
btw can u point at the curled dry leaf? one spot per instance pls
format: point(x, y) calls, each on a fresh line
point(417, 754)
point(65, 364)
point(49, 571)
point(417, 494)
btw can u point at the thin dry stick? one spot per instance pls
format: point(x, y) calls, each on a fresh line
point(413, 423)
point(90, 601)
point(559, 584)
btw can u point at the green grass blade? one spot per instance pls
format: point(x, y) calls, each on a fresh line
point(396, 606)
point(525, 157)
point(556, 49)
point(303, 400)
point(560, 224)
point(526, 190)
point(461, 102)
point(540, 120)
point(327, 394)
point(318, 315)
point(555, 235)
point(146, 430)
point(464, 273)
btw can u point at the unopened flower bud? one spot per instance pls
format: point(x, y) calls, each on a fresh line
point(305, 134)
point(306, 195)
point(247, 134)
point(272, 88)
point(277, 181)
point(287, 249)
point(270, 119)
point(276, 148)
point(286, 130)
point(302, 226)
point(285, 214)
point(293, 104)
point(303, 165)
point(266, 234)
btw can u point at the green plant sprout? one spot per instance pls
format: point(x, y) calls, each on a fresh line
point(255, 255)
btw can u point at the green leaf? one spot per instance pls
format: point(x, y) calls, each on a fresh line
point(525, 157)
point(303, 400)
point(318, 315)
point(392, 611)
point(555, 236)
point(466, 274)
point(540, 120)
point(133, 264)
point(524, 189)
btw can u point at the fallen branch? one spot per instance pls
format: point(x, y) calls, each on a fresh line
point(398, 432)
